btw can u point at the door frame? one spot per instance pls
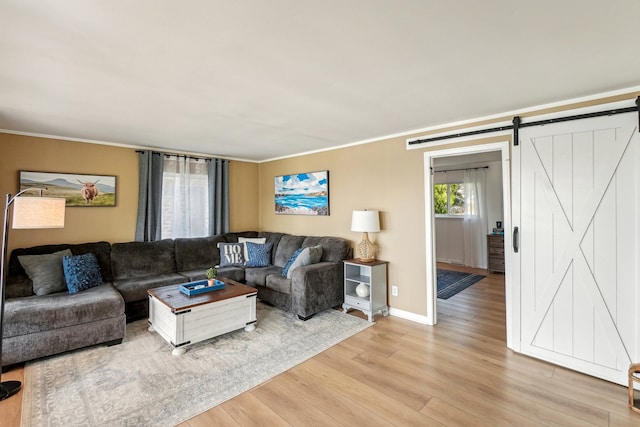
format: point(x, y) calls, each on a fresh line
point(504, 148)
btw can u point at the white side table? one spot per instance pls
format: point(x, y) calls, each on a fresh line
point(365, 287)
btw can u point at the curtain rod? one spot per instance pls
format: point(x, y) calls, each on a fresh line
point(181, 155)
point(463, 169)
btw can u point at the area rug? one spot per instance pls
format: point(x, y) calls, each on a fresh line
point(139, 382)
point(452, 282)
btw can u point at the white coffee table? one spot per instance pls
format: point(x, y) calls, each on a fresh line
point(184, 320)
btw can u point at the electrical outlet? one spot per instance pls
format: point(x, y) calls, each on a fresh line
point(394, 291)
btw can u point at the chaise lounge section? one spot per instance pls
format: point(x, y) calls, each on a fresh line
point(40, 325)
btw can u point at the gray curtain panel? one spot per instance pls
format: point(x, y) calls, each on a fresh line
point(149, 221)
point(218, 196)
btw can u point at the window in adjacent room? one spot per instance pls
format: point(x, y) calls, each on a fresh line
point(448, 199)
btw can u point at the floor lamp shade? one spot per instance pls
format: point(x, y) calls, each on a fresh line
point(366, 222)
point(38, 212)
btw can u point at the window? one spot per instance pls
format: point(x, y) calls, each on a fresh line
point(181, 196)
point(185, 198)
point(448, 199)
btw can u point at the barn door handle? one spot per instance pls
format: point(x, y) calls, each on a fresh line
point(516, 239)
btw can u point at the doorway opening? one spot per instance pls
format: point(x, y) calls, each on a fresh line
point(440, 156)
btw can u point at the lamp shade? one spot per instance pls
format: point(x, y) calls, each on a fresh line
point(365, 221)
point(38, 212)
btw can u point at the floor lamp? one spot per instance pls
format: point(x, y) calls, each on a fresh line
point(28, 212)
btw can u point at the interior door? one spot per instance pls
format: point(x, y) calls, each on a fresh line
point(577, 209)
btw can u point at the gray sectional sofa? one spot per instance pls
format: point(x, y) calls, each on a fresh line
point(37, 326)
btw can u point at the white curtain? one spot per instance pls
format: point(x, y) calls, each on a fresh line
point(185, 197)
point(475, 218)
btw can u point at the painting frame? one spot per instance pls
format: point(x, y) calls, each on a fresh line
point(304, 193)
point(70, 186)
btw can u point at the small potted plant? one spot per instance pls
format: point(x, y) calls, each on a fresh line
point(211, 275)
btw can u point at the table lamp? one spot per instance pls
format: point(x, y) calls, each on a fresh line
point(366, 222)
point(28, 212)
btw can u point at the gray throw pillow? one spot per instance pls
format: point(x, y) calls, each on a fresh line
point(231, 254)
point(45, 271)
point(310, 255)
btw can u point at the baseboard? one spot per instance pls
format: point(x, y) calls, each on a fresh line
point(407, 315)
point(450, 261)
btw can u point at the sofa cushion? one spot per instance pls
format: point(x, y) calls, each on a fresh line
point(334, 249)
point(259, 255)
point(102, 251)
point(43, 313)
point(194, 275)
point(135, 288)
point(307, 256)
point(195, 253)
point(140, 259)
point(18, 283)
point(272, 237)
point(233, 237)
point(231, 254)
point(81, 272)
point(18, 287)
point(278, 283)
point(258, 276)
point(45, 271)
point(233, 273)
point(287, 246)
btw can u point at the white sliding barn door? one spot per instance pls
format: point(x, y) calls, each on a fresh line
point(577, 210)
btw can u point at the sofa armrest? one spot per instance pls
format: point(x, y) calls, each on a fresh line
point(316, 287)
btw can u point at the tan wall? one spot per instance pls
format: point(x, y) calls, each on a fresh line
point(243, 196)
point(381, 176)
point(111, 224)
point(82, 224)
point(384, 176)
point(378, 176)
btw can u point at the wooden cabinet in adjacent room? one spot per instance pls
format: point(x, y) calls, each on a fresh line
point(495, 252)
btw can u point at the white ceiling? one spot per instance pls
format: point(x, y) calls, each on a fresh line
point(259, 79)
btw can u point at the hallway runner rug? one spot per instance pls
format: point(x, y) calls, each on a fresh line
point(139, 383)
point(452, 282)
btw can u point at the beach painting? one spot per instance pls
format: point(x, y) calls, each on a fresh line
point(302, 194)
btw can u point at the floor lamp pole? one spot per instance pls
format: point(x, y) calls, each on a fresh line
point(7, 388)
point(28, 212)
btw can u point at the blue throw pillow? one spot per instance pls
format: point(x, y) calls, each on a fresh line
point(287, 266)
point(259, 254)
point(81, 272)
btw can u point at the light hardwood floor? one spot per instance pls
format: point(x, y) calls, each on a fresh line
point(458, 373)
